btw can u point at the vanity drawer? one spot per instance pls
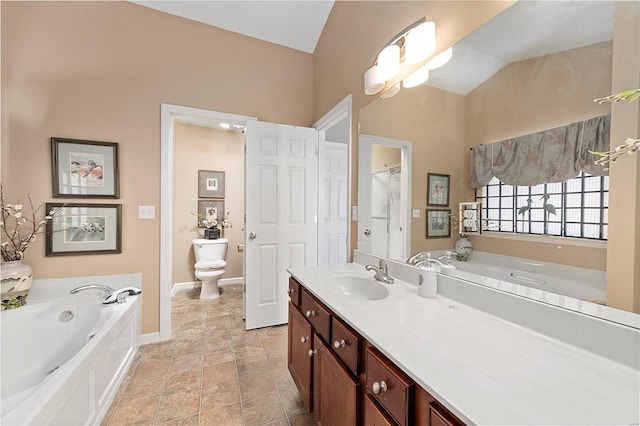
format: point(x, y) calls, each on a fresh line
point(390, 387)
point(441, 417)
point(294, 292)
point(374, 415)
point(346, 344)
point(316, 314)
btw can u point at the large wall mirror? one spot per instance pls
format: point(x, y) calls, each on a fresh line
point(536, 66)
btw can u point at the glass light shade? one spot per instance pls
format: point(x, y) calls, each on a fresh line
point(389, 62)
point(440, 59)
point(393, 90)
point(372, 82)
point(418, 77)
point(420, 43)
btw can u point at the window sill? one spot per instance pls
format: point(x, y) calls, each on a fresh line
point(559, 241)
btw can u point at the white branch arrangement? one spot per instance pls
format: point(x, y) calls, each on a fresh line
point(631, 145)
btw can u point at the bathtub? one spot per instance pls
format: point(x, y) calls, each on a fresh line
point(538, 280)
point(64, 358)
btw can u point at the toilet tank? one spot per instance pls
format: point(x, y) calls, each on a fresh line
point(210, 249)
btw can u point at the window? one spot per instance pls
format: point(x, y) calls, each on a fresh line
point(576, 208)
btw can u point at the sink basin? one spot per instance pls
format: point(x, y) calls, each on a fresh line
point(355, 285)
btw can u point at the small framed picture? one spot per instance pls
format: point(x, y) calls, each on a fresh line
point(84, 169)
point(78, 229)
point(210, 184)
point(209, 209)
point(437, 189)
point(438, 223)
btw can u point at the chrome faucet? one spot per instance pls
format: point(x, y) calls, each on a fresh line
point(381, 272)
point(419, 257)
point(111, 295)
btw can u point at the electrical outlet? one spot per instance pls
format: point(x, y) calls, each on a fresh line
point(416, 213)
point(146, 212)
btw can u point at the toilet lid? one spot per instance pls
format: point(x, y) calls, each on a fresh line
point(211, 264)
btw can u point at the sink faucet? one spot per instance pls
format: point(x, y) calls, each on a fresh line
point(111, 295)
point(381, 272)
point(420, 256)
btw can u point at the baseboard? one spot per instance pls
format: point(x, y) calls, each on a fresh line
point(149, 338)
point(191, 284)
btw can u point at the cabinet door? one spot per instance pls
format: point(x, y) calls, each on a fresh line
point(335, 391)
point(298, 358)
point(374, 415)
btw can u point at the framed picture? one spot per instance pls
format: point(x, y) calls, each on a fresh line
point(84, 169)
point(437, 189)
point(78, 229)
point(210, 184)
point(438, 223)
point(209, 209)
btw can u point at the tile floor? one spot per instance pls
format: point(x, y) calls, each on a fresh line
point(212, 371)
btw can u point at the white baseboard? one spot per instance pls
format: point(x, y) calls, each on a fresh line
point(149, 338)
point(191, 284)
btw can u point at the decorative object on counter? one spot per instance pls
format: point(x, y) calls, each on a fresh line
point(438, 223)
point(463, 248)
point(19, 229)
point(84, 169)
point(630, 145)
point(210, 184)
point(211, 219)
point(437, 189)
point(80, 229)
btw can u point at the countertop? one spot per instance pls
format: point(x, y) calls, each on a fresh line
point(484, 369)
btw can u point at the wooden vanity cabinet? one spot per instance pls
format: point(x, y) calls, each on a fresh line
point(299, 360)
point(374, 415)
point(294, 292)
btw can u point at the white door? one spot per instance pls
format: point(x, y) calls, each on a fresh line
point(332, 226)
point(280, 206)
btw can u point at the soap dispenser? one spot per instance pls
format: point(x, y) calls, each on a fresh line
point(427, 281)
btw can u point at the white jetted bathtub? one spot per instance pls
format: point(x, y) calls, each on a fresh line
point(64, 358)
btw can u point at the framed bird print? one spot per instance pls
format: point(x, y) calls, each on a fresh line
point(84, 169)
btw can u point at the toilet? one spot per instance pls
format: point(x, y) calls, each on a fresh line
point(210, 264)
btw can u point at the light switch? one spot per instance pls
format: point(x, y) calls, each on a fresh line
point(146, 212)
point(416, 213)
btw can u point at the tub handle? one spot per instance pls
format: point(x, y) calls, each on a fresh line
point(120, 295)
point(527, 279)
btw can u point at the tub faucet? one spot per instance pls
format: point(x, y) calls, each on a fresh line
point(104, 288)
point(381, 272)
point(111, 295)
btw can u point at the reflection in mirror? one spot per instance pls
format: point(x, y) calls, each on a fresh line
point(536, 66)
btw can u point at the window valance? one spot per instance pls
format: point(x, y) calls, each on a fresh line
point(549, 156)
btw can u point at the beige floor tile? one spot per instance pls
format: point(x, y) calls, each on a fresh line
point(255, 385)
point(145, 388)
point(186, 347)
point(186, 362)
point(277, 360)
point(263, 409)
point(217, 373)
point(253, 364)
point(281, 422)
point(229, 415)
point(187, 421)
point(190, 380)
point(178, 405)
point(292, 402)
point(151, 368)
point(139, 411)
point(304, 419)
point(275, 344)
point(219, 394)
point(219, 357)
point(282, 378)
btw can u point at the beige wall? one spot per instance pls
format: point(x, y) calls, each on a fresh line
point(383, 157)
point(205, 148)
point(99, 71)
point(533, 95)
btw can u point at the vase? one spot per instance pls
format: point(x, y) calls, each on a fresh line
point(16, 283)
point(211, 233)
point(463, 249)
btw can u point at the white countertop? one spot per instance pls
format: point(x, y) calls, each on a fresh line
point(484, 369)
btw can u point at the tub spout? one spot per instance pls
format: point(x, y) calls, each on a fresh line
point(120, 295)
point(104, 288)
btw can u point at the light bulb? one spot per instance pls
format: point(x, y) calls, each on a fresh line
point(372, 82)
point(420, 43)
point(389, 62)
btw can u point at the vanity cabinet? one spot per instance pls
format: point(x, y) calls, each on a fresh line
point(344, 380)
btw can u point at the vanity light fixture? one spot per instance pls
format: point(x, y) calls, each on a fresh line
point(440, 59)
point(412, 45)
point(393, 90)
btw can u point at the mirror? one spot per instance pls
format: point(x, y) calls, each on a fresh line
point(536, 66)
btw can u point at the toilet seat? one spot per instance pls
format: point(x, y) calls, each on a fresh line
point(210, 265)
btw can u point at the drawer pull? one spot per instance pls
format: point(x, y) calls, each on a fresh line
point(340, 344)
point(379, 387)
point(304, 339)
point(290, 290)
point(310, 314)
point(312, 352)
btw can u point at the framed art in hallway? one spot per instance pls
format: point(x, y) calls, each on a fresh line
point(84, 169)
point(438, 223)
point(79, 229)
point(437, 189)
point(210, 184)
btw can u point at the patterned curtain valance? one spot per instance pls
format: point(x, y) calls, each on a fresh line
point(549, 156)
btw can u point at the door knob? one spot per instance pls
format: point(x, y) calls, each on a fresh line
point(367, 232)
point(252, 235)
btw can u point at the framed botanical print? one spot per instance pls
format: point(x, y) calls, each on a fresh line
point(210, 184)
point(84, 169)
point(437, 189)
point(78, 229)
point(438, 223)
point(209, 210)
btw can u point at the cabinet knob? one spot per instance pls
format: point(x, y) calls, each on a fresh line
point(310, 314)
point(304, 339)
point(379, 387)
point(339, 344)
point(290, 290)
point(312, 352)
